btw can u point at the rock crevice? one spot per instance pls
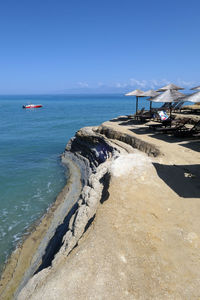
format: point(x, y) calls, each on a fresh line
point(92, 153)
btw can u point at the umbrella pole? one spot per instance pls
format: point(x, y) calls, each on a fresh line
point(170, 109)
point(136, 104)
point(150, 106)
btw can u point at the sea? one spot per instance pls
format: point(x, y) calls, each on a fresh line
point(31, 143)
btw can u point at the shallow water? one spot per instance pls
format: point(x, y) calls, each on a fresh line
point(31, 142)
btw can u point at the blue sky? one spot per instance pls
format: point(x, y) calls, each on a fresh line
point(74, 45)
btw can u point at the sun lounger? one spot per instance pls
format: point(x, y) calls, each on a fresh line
point(165, 106)
point(146, 116)
point(174, 126)
point(163, 115)
point(163, 118)
point(160, 116)
point(187, 132)
point(178, 106)
point(138, 114)
point(159, 125)
point(143, 115)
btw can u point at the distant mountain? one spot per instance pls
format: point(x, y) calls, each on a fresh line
point(104, 89)
point(96, 90)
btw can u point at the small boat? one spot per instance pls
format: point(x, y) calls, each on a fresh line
point(32, 106)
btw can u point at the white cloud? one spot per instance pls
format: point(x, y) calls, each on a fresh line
point(83, 84)
point(153, 83)
point(186, 84)
point(134, 83)
point(120, 85)
point(145, 84)
point(138, 83)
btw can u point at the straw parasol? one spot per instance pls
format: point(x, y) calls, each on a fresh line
point(151, 93)
point(170, 86)
point(168, 96)
point(196, 88)
point(195, 97)
point(137, 93)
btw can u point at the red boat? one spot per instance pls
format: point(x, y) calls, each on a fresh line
point(32, 106)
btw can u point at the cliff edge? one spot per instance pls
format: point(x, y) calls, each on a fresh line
point(132, 231)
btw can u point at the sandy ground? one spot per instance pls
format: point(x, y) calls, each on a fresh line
point(145, 240)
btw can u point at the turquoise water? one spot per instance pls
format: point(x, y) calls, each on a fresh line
point(31, 142)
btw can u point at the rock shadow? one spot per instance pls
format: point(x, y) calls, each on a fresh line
point(194, 145)
point(120, 119)
point(127, 123)
point(89, 223)
point(55, 242)
point(140, 130)
point(184, 180)
point(105, 180)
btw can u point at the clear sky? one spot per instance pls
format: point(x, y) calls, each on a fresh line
point(49, 46)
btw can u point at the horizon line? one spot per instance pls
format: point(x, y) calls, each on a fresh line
point(57, 94)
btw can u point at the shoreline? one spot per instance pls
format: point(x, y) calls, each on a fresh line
point(32, 227)
point(20, 259)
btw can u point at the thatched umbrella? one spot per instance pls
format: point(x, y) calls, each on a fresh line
point(137, 93)
point(195, 97)
point(170, 86)
point(168, 96)
point(151, 93)
point(196, 88)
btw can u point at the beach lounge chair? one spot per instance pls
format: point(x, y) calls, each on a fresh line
point(163, 118)
point(174, 126)
point(163, 115)
point(178, 106)
point(187, 132)
point(143, 115)
point(165, 106)
point(139, 113)
point(146, 116)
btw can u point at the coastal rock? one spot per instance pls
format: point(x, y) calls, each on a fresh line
point(69, 242)
point(92, 150)
point(92, 199)
point(93, 153)
point(91, 146)
point(133, 249)
point(80, 222)
point(134, 141)
point(85, 193)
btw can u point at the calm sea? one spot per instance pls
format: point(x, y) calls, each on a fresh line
point(31, 142)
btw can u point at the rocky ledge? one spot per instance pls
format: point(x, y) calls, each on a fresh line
point(90, 152)
point(93, 149)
